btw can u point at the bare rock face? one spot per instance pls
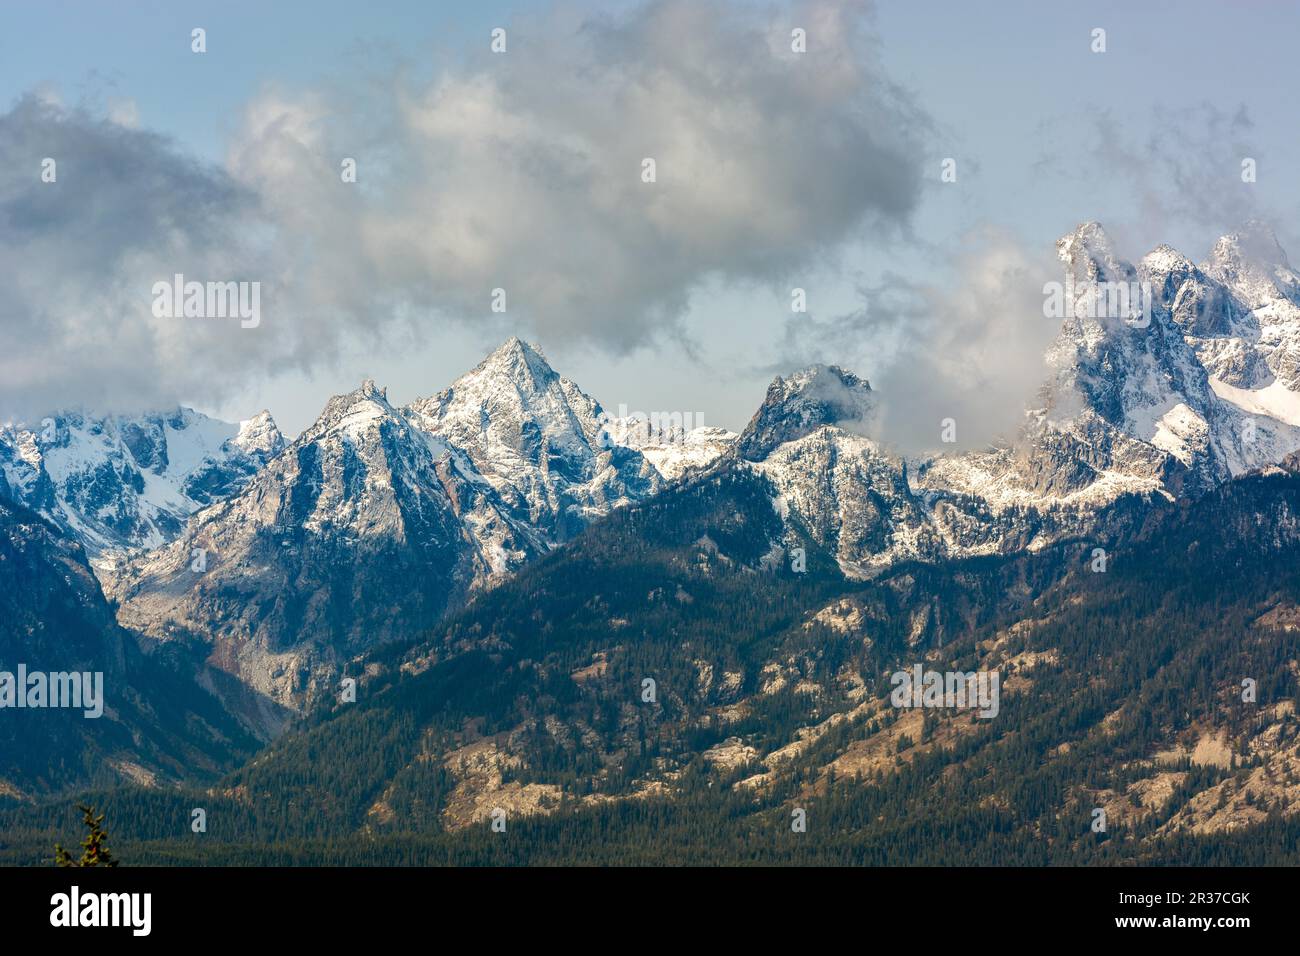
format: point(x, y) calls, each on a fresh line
point(538, 440)
point(350, 537)
point(1179, 401)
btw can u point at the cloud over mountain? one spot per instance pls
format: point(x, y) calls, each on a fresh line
point(969, 347)
point(79, 255)
point(519, 170)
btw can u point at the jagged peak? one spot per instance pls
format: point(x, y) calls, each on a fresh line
point(352, 411)
point(260, 434)
point(1089, 232)
point(179, 417)
point(805, 401)
point(1254, 243)
point(821, 380)
point(514, 347)
point(1252, 263)
point(1165, 259)
point(515, 365)
point(522, 363)
point(1087, 251)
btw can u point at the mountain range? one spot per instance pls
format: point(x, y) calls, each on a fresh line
point(501, 565)
point(119, 481)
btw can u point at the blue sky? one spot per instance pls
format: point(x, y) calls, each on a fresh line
point(1046, 134)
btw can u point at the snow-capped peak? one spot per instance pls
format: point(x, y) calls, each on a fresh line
point(1164, 260)
point(509, 406)
point(1252, 264)
point(518, 362)
point(123, 481)
point(536, 438)
point(1254, 243)
point(260, 434)
point(352, 413)
point(798, 405)
point(1088, 254)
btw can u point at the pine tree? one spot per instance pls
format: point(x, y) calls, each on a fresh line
point(94, 851)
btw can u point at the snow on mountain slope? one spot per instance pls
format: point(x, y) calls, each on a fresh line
point(851, 497)
point(1274, 400)
point(378, 519)
point(131, 481)
point(538, 439)
point(794, 407)
point(1178, 404)
point(674, 451)
point(1114, 375)
point(363, 530)
point(1166, 404)
point(869, 509)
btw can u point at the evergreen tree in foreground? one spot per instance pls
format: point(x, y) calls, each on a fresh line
point(94, 851)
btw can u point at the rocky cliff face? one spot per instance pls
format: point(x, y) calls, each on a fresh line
point(156, 724)
point(350, 537)
point(378, 519)
point(538, 440)
point(798, 406)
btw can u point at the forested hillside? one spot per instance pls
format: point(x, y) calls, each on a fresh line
point(1122, 690)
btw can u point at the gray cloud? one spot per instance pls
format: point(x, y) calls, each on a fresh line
point(519, 171)
point(79, 256)
point(522, 170)
point(970, 347)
